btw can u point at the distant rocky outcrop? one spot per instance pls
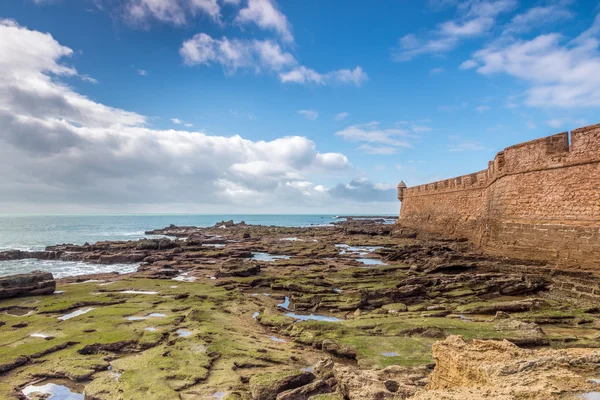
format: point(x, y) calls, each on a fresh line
point(33, 284)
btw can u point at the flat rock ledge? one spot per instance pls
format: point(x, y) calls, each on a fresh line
point(32, 284)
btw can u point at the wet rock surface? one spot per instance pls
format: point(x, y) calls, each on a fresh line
point(308, 319)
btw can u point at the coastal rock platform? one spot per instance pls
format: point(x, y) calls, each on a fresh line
point(354, 310)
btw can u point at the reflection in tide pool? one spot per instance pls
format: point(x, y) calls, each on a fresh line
point(268, 257)
point(370, 261)
point(390, 354)
point(53, 392)
point(285, 304)
point(313, 317)
point(75, 314)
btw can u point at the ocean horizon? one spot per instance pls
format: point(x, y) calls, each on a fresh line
point(36, 232)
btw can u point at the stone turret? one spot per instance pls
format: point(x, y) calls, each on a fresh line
point(401, 189)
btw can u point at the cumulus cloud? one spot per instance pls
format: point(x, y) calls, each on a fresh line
point(561, 72)
point(142, 72)
point(175, 12)
point(265, 14)
point(474, 18)
point(260, 56)
point(537, 17)
point(59, 147)
point(381, 141)
point(341, 116)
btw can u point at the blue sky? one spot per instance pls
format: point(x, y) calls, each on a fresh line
point(289, 106)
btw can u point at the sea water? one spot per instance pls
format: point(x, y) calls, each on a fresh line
point(35, 232)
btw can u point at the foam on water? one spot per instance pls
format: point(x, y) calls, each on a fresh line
point(61, 269)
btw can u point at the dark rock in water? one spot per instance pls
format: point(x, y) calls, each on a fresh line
point(156, 244)
point(33, 284)
point(20, 255)
point(233, 267)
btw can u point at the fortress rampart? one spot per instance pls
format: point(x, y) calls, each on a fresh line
point(536, 200)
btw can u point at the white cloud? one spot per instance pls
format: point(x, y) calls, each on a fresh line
point(177, 121)
point(265, 14)
point(142, 72)
point(371, 133)
point(175, 12)
point(259, 56)
point(88, 78)
point(536, 17)
point(436, 71)
point(309, 114)
point(469, 64)
point(60, 148)
point(304, 75)
point(235, 54)
point(482, 109)
point(474, 19)
point(562, 73)
point(562, 122)
point(341, 116)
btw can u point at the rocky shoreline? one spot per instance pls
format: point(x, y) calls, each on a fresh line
point(356, 310)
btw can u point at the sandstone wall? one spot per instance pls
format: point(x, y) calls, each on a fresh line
point(536, 200)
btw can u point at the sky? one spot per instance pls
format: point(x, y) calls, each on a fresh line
point(265, 106)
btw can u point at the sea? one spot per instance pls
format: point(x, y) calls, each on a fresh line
point(35, 232)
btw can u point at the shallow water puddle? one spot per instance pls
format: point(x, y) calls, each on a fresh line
point(285, 304)
point(216, 245)
point(40, 335)
point(595, 380)
point(152, 315)
point(256, 314)
point(308, 369)
point(137, 292)
point(76, 313)
point(19, 311)
point(360, 250)
point(292, 239)
point(278, 340)
point(218, 395)
point(54, 392)
point(590, 396)
point(184, 333)
point(337, 290)
point(58, 291)
point(184, 278)
point(313, 317)
point(370, 261)
point(150, 329)
point(390, 354)
point(268, 257)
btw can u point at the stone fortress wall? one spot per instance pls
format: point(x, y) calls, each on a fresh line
point(537, 200)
